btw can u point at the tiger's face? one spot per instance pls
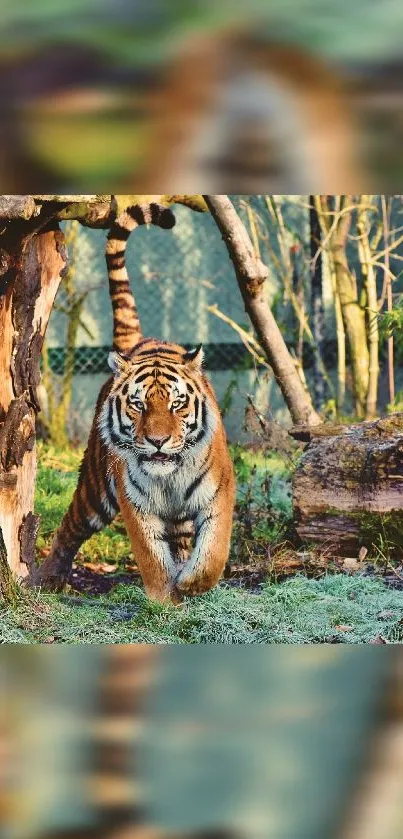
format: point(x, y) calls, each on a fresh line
point(156, 408)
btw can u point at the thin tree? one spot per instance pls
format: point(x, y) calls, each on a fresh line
point(251, 275)
point(317, 308)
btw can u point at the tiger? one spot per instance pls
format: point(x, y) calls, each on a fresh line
point(157, 452)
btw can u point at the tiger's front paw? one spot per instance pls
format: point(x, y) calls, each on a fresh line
point(191, 582)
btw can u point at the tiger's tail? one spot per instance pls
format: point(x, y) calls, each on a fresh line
point(126, 324)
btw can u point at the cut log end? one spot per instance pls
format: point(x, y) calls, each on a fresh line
point(348, 486)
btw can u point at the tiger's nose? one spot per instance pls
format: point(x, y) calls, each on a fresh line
point(158, 442)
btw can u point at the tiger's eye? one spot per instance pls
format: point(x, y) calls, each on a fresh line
point(135, 403)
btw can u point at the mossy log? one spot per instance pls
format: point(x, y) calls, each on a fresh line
point(348, 485)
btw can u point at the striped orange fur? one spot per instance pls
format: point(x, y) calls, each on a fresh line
point(126, 324)
point(157, 452)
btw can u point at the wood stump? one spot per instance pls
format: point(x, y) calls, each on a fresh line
point(31, 265)
point(348, 486)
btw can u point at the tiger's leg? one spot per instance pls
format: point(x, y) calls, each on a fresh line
point(212, 544)
point(94, 505)
point(180, 539)
point(152, 552)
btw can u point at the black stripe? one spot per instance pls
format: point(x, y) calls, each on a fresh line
point(198, 437)
point(95, 504)
point(117, 255)
point(162, 216)
point(117, 265)
point(141, 378)
point(122, 303)
point(169, 377)
point(146, 365)
point(110, 415)
point(158, 349)
point(125, 388)
point(92, 488)
point(140, 344)
point(112, 258)
point(110, 494)
point(134, 482)
point(115, 439)
point(118, 232)
point(124, 429)
point(197, 481)
point(204, 414)
point(202, 432)
point(136, 213)
point(171, 369)
point(155, 213)
point(119, 286)
point(206, 519)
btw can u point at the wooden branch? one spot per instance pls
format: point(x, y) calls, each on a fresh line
point(251, 274)
point(98, 211)
point(18, 207)
point(72, 199)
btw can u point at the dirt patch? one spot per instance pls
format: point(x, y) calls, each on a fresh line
point(245, 577)
point(86, 581)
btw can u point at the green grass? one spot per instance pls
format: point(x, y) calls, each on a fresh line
point(56, 481)
point(335, 608)
point(298, 611)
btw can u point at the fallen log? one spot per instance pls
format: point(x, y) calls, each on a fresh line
point(348, 485)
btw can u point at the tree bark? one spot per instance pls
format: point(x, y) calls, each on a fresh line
point(317, 308)
point(369, 277)
point(251, 274)
point(352, 312)
point(348, 485)
point(29, 285)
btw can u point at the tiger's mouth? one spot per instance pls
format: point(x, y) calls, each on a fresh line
point(161, 457)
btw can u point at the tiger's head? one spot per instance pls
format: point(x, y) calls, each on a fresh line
point(157, 407)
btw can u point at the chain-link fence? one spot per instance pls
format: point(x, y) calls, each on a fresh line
point(90, 360)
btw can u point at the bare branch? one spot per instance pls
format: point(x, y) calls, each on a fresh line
point(251, 274)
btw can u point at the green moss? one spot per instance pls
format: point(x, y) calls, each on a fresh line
point(378, 531)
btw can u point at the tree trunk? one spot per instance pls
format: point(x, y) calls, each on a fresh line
point(369, 277)
point(251, 274)
point(348, 485)
point(31, 267)
point(317, 309)
point(352, 312)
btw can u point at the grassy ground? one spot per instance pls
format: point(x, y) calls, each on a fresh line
point(334, 608)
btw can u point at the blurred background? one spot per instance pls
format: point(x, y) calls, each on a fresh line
point(210, 741)
point(279, 96)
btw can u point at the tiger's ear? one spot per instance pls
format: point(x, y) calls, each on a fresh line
point(117, 363)
point(194, 357)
